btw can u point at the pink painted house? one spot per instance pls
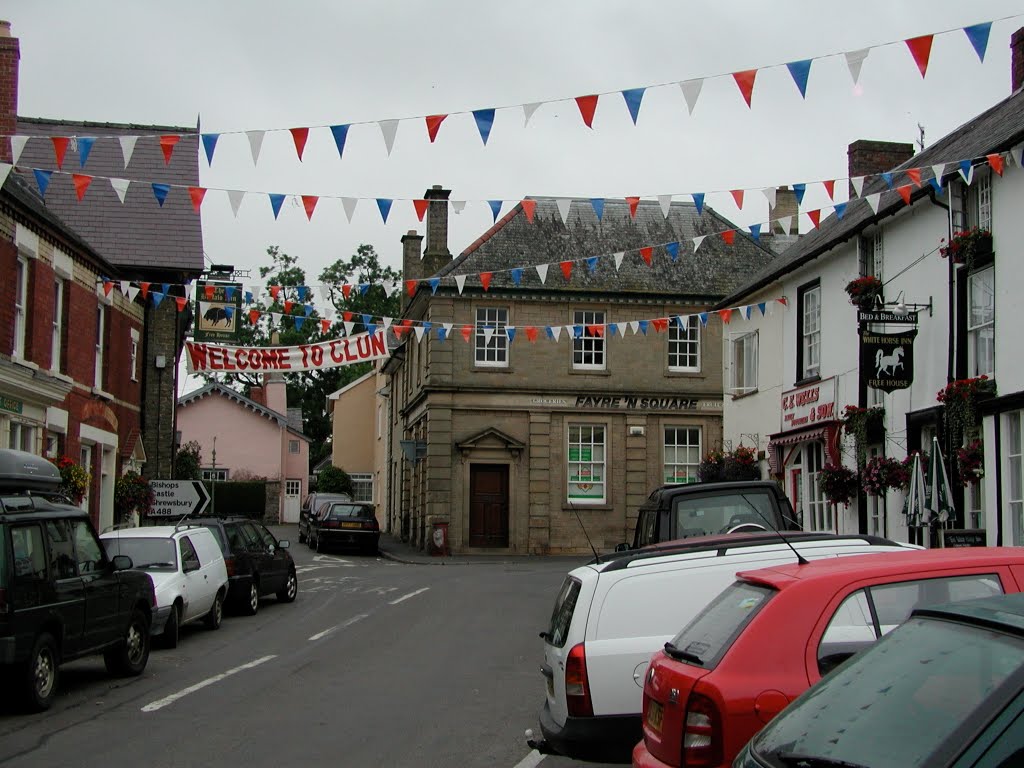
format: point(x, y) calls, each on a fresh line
point(243, 438)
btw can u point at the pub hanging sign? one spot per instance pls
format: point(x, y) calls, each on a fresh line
point(887, 359)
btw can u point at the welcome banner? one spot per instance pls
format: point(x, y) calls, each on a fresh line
point(202, 358)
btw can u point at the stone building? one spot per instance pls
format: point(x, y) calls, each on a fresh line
point(565, 373)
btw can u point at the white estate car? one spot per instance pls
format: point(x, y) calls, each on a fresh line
point(611, 616)
point(188, 572)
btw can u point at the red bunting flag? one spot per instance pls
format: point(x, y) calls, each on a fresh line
point(737, 195)
point(587, 105)
point(167, 145)
point(209, 290)
point(531, 332)
point(274, 290)
point(410, 286)
point(915, 175)
point(107, 286)
point(830, 188)
point(921, 50)
point(433, 123)
point(60, 146)
point(529, 206)
point(783, 301)
point(646, 253)
point(309, 203)
point(595, 330)
point(996, 161)
point(904, 193)
point(729, 236)
point(325, 325)
point(399, 330)
point(82, 183)
point(347, 316)
point(144, 288)
point(633, 203)
point(197, 194)
point(346, 290)
point(485, 280)
point(815, 217)
point(745, 81)
point(726, 315)
point(467, 332)
point(660, 324)
point(254, 316)
point(288, 304)
point(566, 269)
point(181, 301)
point(421, 208)
point(299, 136)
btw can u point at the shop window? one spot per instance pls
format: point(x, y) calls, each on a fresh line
point(586, 466)
point(588, 347)
point(684, 346)
point(682, 454)
point(981, 322)
point(491, 346)
point(362, 486)
point(809, 332)
point(743, 363)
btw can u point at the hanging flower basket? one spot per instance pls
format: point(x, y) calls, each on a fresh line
point(74, 480)
point(838, 483)
point(866, 426)
point(968, 246)
point(864, 291)
point(738, 464)
point(960, 402)
point(132, 493)
point(970, 461)
point(712, 467)
point(882, 473)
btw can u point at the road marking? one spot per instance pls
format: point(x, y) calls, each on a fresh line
point(531, 760)
point(344, 624)
point(161, 703)
point(406, 597)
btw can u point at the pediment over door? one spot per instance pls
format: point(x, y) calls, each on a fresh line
point(491, 438)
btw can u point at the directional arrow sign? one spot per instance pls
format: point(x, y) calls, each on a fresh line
point(177, 498)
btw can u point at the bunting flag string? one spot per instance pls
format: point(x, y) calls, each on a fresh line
point(920, 48)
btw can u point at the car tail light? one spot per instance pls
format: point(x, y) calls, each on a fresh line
point(330, 524)
point(370, 525)
point(577, 689)
point(702, 732)
point(229, 563)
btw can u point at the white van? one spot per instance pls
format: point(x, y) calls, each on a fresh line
point(611, 616)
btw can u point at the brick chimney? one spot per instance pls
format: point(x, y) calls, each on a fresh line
point(412, 261)
point(785, 205)
point(869, 158)
point(10, 54)
point(1017, 60)
point(276, 392)
point(436, 254)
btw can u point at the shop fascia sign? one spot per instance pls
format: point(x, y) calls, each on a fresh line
point(628, 402)
point(809, 404)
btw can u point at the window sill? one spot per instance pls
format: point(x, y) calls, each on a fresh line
point(491, 369)
point(18, 360)
point(589, 372)
point(61, 377)
point(741, 395)
point(581, 507)
point(808, 380)
point(102, 394)
point(682, 373)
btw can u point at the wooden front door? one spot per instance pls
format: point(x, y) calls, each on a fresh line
point(488, 505)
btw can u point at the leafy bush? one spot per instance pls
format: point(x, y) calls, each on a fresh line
point(187, 460)
point(334, 480)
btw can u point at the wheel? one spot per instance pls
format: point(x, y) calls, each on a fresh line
point(316, 545)
point(129, 657)
point(250, 606)
point(169, 638)
point(41, 673)
point(213, 618)
point(290, 588)
point(302, 537)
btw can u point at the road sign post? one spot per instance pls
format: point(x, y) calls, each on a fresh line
point(178, 498)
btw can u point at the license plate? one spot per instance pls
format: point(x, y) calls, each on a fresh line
point(655, 712)
point(350, 525)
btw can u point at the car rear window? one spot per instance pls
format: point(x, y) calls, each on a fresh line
point(901, 700)
point(706, 515)
point(338, 511)
point(561, 615)
point(713, 631)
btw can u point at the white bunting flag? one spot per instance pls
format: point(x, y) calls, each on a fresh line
point(447, 329)
point(235, 198)
point(854, 60)
point(18, 144)
point(275, 318)
point(349, 204)
point(745, 312)
point(349, 327)
point(488, 334)
point(255, 291)
point(120, 187)
point(390, 129)
point(618, 258)
point(684, 322)
point(556, 331)
point(460, 282)
point(563, 204)
point(569, 331)
point(873, 201)
point(939, 171)
point(386, 322)
point(665, 201)
point(389, 288)
point(615, 328)
point(770, 193)
point(127, 148)
point(125, 284)
point(635, 326)
point(133, 291)
point(255, 144)
point(785, 222)
point(967, 177)
point(542, 272)
point(691, 90)
point(419, 330)
point(1017, 153)
point(5, 171)
point(857, 182)
point(528, 110)
point(458, 206)
point(697, 241)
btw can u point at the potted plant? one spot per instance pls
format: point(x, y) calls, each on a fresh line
point(970, 460)
point(74, 480)
point(838, 483)
point(863, 291)
point(960, 402)
point(865, 425)
point(968, 246)
point(882, 473)
point(741, 464)
point(712, 467)
point(132, 494)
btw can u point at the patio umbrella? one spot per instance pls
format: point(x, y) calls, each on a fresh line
point(916, 494)
point(939, 495)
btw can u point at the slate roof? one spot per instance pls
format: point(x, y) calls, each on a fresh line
point(214, 388)
point(139, 235)
point(715, 270)
point(995, 130)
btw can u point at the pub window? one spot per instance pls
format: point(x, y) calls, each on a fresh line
point(491, 340)
point(809, 332)
point(588, 347)
point(981, 322)
point(682, 454)
point(743, 362)
point(586, 465)
point(684, 346)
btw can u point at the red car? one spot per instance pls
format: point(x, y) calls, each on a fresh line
point(776, 631)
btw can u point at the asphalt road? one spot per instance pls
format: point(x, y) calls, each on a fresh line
point(377, 663)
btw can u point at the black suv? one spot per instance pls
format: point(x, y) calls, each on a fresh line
point(258, 564)
point(61, 597)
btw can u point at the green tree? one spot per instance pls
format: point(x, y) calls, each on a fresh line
point(187, 462)
point(333, 480)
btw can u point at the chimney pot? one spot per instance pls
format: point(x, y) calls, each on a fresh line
point(5, 28)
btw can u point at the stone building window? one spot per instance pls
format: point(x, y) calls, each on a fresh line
point(586, 466)
point(588, 346)
point(684, 347)
point(491, 339)
point(682, 454)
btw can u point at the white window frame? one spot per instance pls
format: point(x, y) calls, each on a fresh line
point(21, 435)
point(588, 352)
point(820, 514)
point(362, 486)
point(292, 487)
point(588, 442)
point(20, 306)
point(134, 353)
point(681, 459)
point(684, 347)
point(58, 324)
point(979, 200)
point(490, 349)
point(743, 362)
point(811, 332)
point(981, 323)
point(1013, 456)
point(101, 322)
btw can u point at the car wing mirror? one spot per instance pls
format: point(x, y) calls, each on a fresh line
point(283, 544)
point(122, 563)
point(623, 547)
